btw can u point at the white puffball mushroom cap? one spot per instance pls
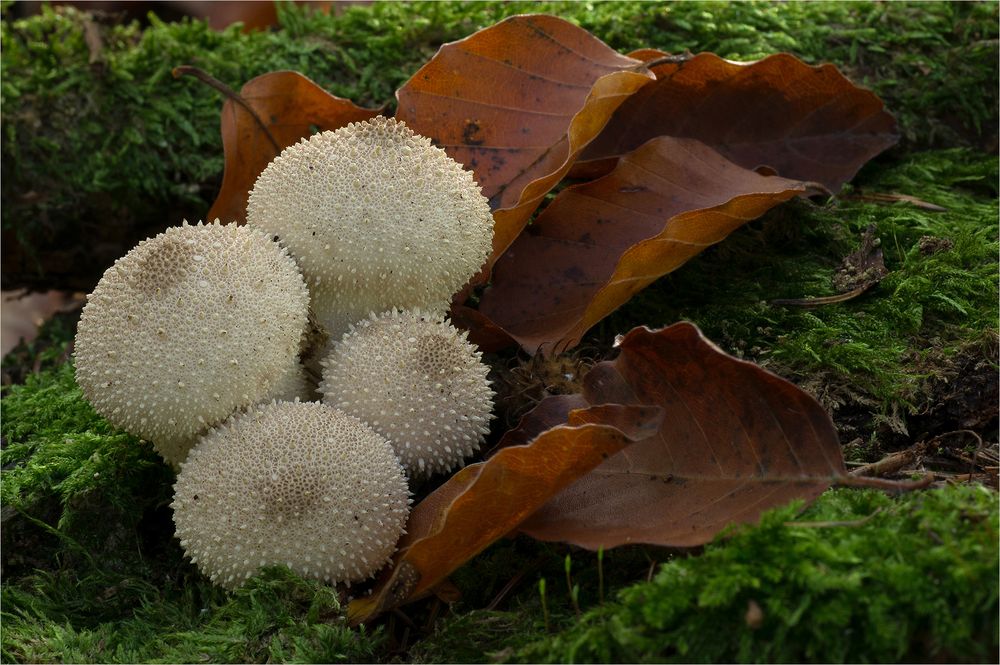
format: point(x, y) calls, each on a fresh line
point(377, 218)
point(186, 328)
point(417, 381)
point(295, 484)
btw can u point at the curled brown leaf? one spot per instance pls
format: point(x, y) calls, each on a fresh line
point(735, 440)
point(804, 122)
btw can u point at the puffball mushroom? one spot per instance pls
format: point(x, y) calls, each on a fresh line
point(290, 483)
point(416, 380)
point(188, 327)
point(376, 217)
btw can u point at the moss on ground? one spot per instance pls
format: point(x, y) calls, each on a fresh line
point(102, 143)
point(857, 577)
point(275, 617)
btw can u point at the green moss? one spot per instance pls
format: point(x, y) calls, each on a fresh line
point(58, 446)
point(275, 617)
point(858, 577)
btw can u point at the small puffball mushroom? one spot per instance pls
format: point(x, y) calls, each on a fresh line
point(296, 484)
point(376, 217)
point(186, 328)
point(417, 381)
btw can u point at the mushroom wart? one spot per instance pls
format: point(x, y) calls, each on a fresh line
point(376, 217)
point(290, 483)
point(417, 381)
point(186, 328)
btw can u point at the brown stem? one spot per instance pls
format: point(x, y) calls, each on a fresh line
point(213, 82)
point(823, 525)
point(823, 300)
point(885, 483)
point(975, 456)
point(893, 462)
point(679, 59)
point(514, 581)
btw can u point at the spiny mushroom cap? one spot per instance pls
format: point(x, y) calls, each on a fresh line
point(295, 484)
point(376, 217)
point(187, 327)
point(417, 381)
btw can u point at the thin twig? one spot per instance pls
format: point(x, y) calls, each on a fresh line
point(678, 59)
point(513, 582)
point(877, 197)
point(398, 613)
point(822, 300)
point(893, 462)
point(979, 447)
point(885, 483)
point(821, 525)
point(213, 82)
point(432, 616)
point(960, 478)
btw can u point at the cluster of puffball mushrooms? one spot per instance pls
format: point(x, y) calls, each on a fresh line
point(299, 370)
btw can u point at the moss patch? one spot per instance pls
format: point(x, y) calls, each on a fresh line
point(92, 572)
point(275, 617)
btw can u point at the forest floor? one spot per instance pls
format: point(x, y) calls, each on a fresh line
point(92, 573)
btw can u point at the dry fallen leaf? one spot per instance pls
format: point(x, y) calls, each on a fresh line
point(802, 121)
point(516, 102)
point(485, 501)
point(735, 441)
point(290, 107)
point(599, 243)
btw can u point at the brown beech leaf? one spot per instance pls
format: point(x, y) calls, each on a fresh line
point(290, 106)
point(516, 102)
point(735, 441)
point(599, 243)
point(485, 501)
point(805, 122)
